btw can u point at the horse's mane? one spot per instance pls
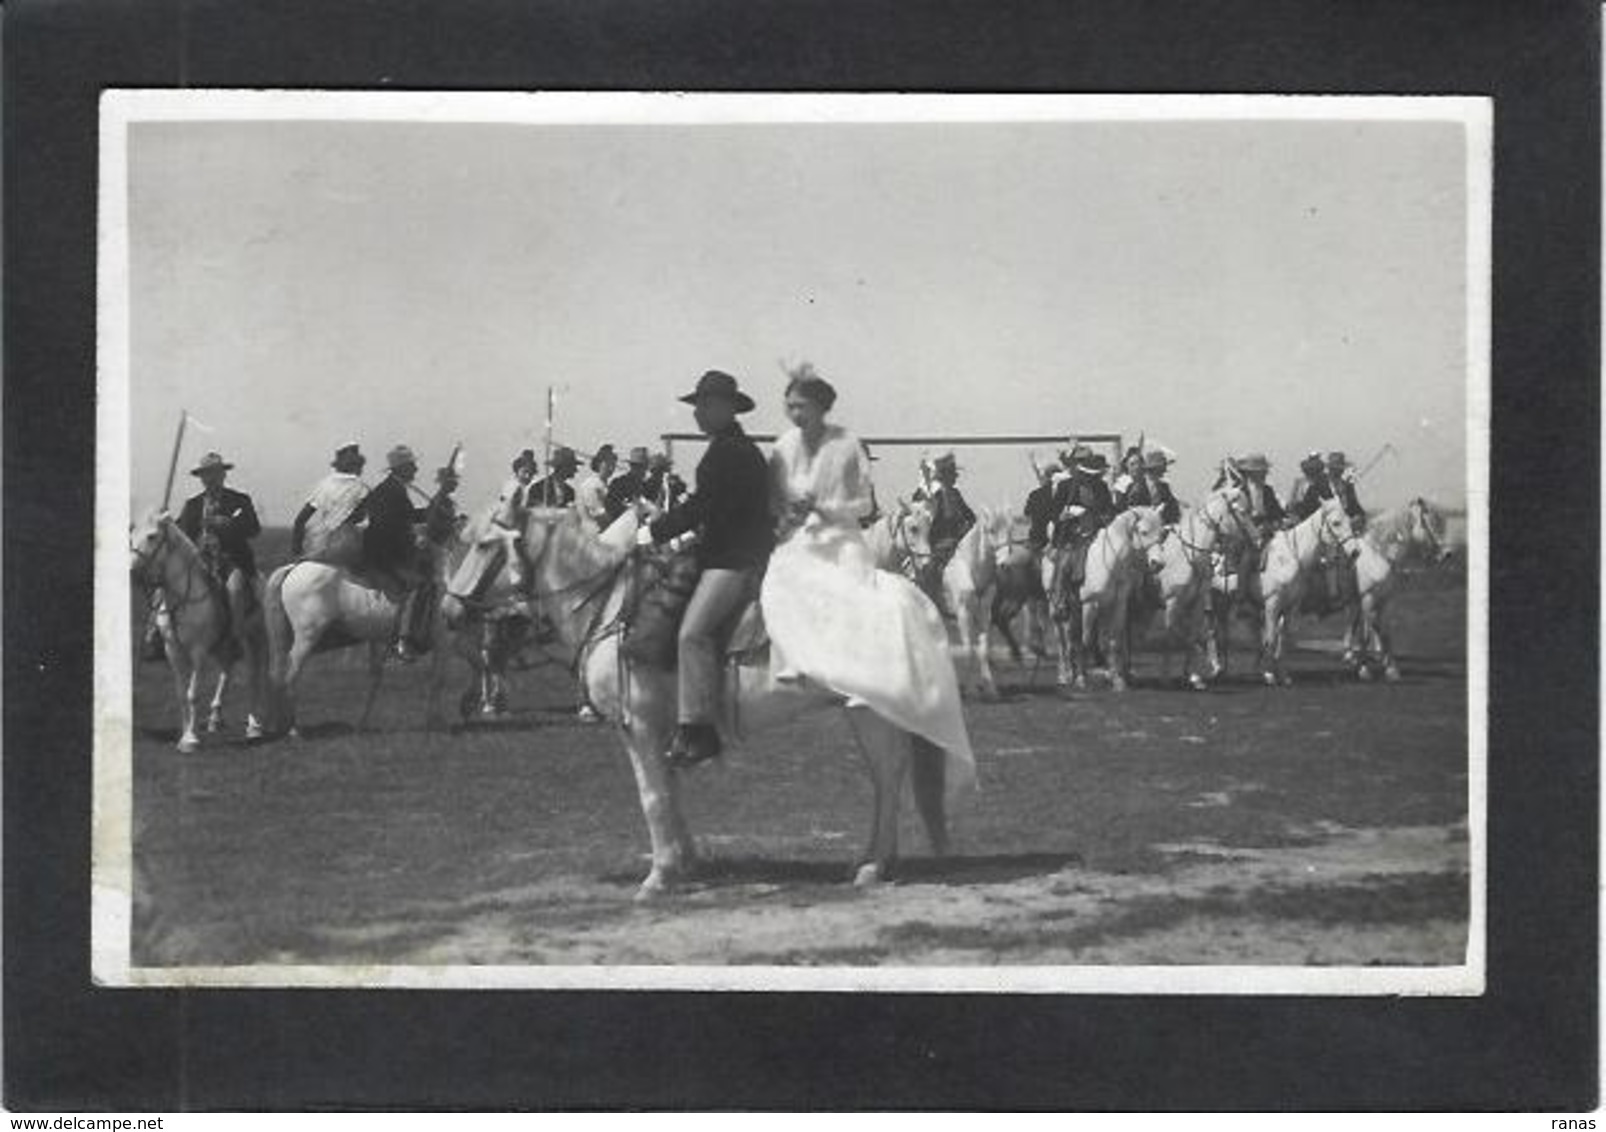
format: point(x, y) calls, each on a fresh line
point(176, 538)
point(576, 548)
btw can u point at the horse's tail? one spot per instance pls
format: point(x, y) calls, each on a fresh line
point(929, 772)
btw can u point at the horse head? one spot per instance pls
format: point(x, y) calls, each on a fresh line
point(1335, 529)
point(1145, 528)
point(148, 543)
point(1227, 512)
point(1427, 528)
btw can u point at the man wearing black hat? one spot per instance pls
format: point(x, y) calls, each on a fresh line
point(951, 518)
point(390, 546)
point(629, 485)
point(556, 490)
point(221, 522)
point(730, 511)
point(1082, 508)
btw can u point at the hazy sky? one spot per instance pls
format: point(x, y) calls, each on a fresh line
point(1221, 285)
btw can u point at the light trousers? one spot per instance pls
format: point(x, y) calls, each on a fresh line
point(720, 594)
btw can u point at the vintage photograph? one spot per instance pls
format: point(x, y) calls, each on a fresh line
point(733, 541)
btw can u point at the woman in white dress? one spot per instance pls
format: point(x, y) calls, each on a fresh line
point(833, 618)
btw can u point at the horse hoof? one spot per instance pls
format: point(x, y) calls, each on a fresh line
point(253, 731)
point(1392, 674)
point(868, 875)
point(1118, 683)
point(1197, 683)
point(1286, 681)
point(214, 724)
point(189, 744)
point(1270, 678)
point(293, 733)
point(1364, 674)
point(588, 714)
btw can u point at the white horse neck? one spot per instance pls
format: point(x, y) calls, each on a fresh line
point(1305, 538)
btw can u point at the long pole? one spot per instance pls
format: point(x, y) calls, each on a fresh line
point(1372, 463)
point(172, 465)
point(551, 404)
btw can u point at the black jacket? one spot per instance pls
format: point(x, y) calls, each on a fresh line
point(1090, 493)
point(388, 541)
point(1144, 492)
point(729, 508)
point(1039, 514)
point(550, 492)
point(235, 522)
point(623, 490)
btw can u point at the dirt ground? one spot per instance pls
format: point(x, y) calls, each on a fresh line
point(1323, 825)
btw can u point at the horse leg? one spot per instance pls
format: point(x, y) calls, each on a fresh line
point(214, 714)
point(929, 766)
point(656, 784)
point(973, 624)
point(376, 672)
point(1376, 637)
point(886, 753)
point(1120, 643)
point(186, 682)
point(439, 641)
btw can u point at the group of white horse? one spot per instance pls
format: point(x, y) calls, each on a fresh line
point(994, 575)
point(584, 585)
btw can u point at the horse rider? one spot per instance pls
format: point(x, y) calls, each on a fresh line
point(1331, 478)
point(1341, 474)
point(663, 488)
point(1129, 476)
point(325, 528)
point(1082, 507)
point(1265, 509)
point(222, 522)
point(1313, 486)
point(591, 497)
point(1039, 509)
point(629, 485)
point(951, 518)
point(730, 511)
point(1146, 486)
point(555, 490)
point(390, 548)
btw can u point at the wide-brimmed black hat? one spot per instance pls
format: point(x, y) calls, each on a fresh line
point(526, 459)
point(563, 457)
point(211, 462)
point(717, 383)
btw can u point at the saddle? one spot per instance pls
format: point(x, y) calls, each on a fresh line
point(652, 625)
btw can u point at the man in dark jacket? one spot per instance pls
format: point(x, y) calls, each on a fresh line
point(221, 522)
point(1039, 510)
point(730, 512)
point(391, 545)
point(1147, 488)
point(555, 490)
point(1082, 507)
point(629, 485)
point(951, 519)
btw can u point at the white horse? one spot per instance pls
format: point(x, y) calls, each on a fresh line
point(493, 620)
point(969, 583)
point(888, 540)
point(199, 631)
point(1117, 560)
point(314, 606)
point(587, 587)
point(1184, 566)
point(1289, 565)
point(1391, 538)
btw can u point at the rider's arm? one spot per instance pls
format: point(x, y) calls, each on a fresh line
point(298, 532)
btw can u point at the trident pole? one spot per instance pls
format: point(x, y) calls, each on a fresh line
point(172, 464)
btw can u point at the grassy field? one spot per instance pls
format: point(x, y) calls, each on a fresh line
point(1319, 825)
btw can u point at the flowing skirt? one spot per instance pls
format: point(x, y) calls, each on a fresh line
point(867, 634)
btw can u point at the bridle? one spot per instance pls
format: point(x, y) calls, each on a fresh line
point(149, 574)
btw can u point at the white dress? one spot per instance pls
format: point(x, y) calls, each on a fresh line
point(837, 621)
